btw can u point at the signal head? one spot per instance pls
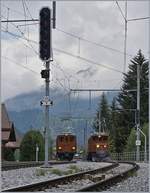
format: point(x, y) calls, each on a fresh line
point(45, 33)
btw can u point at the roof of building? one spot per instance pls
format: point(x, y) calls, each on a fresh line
point(12, 144)
point(6, 124)
point(5, 135)
point(8, 130)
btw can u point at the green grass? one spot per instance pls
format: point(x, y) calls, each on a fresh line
point(40, 172)
point(71, 170)
point(68, 172)
point(74, 168)
point(132, 173)
point(56, 171)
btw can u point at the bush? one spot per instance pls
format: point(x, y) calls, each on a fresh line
point(28, 146)
point(130, 147)
point(9, 154)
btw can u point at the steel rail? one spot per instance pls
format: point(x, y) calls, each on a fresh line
point(103, 185)
point(41, 186)
point(17, 165)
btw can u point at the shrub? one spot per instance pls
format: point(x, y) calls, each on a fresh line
point(28, 146)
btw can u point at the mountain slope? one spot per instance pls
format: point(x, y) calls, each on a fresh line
point(25, 111)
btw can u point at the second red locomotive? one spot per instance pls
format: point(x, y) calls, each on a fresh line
point(98, 147)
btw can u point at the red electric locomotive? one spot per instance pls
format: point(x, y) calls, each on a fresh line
point(66, 146)
point(98, 147)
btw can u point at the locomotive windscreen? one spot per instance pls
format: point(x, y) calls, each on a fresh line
point(104, 138)
point(100, 138)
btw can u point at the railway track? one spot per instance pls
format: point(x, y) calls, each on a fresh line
point(109, 181)
point(17, 165)
point(100, 179)
point(42, 186)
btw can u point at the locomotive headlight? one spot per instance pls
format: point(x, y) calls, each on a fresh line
point(59, 148)
point(97, 145)
point(73, 148)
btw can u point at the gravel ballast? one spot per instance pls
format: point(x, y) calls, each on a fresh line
point(136, 183)
point(23, 176)
point(79, 184)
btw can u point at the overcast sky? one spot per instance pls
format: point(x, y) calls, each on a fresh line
point(99, 22)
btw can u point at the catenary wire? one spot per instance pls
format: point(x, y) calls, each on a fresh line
point(120, 10)
point(79, 57)
point(24, 36)
point(91, 42)
point(21, 65)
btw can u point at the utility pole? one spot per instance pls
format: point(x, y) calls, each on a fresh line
point(149, 74)
point(138, 142)
point(99, 120)
point(145, 146)
point(45, 55)
point(85, 139)
point(46, 115)
point(37, 152)
point(125, 40)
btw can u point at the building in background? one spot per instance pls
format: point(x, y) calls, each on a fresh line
point(10, 141)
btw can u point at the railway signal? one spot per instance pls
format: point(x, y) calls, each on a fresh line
point(45, 33)
point(45, 73)
point(45, 55)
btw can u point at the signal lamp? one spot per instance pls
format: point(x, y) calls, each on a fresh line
point(45, 33)
point(45, 73)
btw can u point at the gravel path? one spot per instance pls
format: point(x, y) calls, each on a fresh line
point(23, 176)
point(137, 183)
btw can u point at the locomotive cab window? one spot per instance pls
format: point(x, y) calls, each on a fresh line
point(61, 139)
point(66, 139)
point(100, 139)
point(94, 138)
point(104, 138)
point(71, 138)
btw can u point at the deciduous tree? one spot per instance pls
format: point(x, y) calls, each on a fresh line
point(28, 146)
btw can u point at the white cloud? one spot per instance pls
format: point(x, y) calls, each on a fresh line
point(100, 22)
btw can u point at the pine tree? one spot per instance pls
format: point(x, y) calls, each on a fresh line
point(114, 117)
point(128, 100)
point(103, 115)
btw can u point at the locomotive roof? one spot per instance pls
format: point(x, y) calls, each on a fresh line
point(100, 134)
point(67, 133)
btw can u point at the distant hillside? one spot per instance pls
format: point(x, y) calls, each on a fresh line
point(26, 112)
point(61, 103)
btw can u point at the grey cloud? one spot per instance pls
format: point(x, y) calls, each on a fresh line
point(87, 72)
point(97, 21)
